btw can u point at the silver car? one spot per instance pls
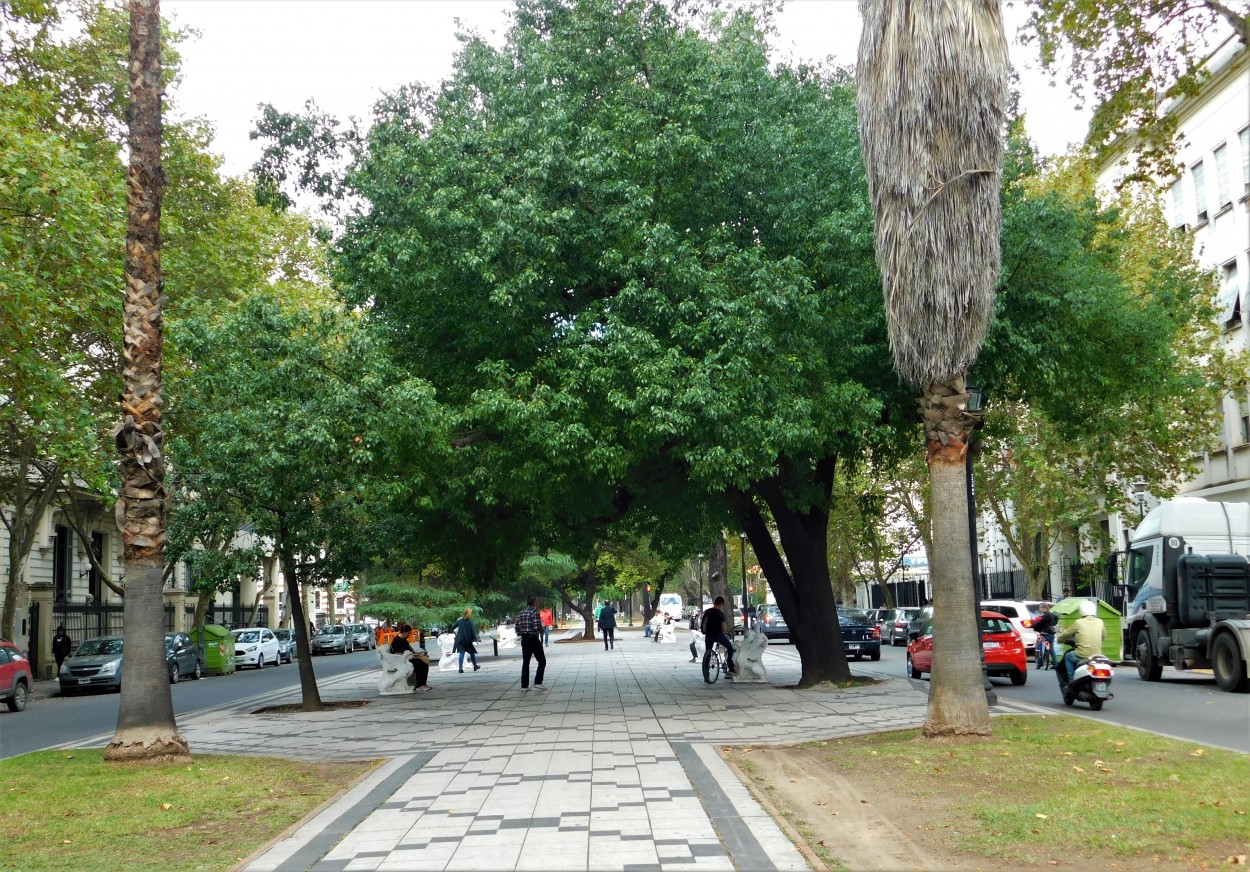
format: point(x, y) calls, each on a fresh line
point(894, 625)
point(95, 665)
point(333, 638)
point(363, 636)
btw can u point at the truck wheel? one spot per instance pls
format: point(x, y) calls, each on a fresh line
point(1148, 666)
point(1229, 666)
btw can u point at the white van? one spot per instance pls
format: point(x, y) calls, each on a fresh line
point(671, 603)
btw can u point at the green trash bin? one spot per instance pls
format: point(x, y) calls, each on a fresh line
point(216, 647)
point(1068, 610)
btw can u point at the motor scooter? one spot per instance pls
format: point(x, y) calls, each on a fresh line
point(1091, 682)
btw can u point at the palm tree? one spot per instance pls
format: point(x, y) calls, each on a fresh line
point(146, 729)
point(932, 97)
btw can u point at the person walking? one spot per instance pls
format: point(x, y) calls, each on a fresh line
point(548, 620)
point(716, 630)
point(607, 624)
point(466, 636)
point(529, 626)
point(61, 646)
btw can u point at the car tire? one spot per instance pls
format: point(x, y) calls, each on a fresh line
point(1019, 678)
point(912, 671)
point(174, 675)
point(1148, 666)
point(876, 655)
point(199, 671)
point(17, 702)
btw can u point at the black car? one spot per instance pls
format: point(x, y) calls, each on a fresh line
point(860, 634)
point(772, 624)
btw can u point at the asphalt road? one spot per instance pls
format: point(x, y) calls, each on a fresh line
point(1185, 705)
point(51, 720)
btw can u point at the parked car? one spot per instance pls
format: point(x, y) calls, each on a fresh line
point(924, 613)
point(772, 624)
point(894, 625)
point(95, 664)
point(182, 657)
point(255, 646)
point(860, 634)
point(363, 636)
point(286, 644)
point(1003, 647)
point(333, 638)
point(1021, 613)
point(15, 677)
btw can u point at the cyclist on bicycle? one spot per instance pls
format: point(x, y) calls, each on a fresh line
point(716, 631)
point(1045, 627)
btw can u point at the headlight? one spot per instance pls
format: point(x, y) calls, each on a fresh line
point(110, 667)
point(65, 668)
point(250, 649)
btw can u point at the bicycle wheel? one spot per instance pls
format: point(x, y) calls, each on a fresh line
point(714, 669)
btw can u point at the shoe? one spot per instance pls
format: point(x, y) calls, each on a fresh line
point(525, 688)
point(476, 668)
point(539, 687)
point(692, 660)
point(424, 689)
point(462, 672)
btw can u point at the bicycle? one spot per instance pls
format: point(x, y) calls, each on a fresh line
point(1043, 650)
point(718, 663)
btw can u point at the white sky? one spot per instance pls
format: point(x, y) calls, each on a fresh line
point(345, 53)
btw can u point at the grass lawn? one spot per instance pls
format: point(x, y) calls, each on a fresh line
point(1043, 791)
point(71, 810)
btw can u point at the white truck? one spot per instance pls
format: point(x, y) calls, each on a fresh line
point(1188, 582)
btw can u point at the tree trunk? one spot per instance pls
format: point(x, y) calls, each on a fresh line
point(800, 583)
point(310, 695)
point(586, 607)
point(717, 579)
point(957, 704)
point(29, 505)
point(146, 729)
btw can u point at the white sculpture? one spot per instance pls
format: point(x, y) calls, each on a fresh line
point(749, 658)
point(697, 646)
point(396, 669)
point(668, 633)
point(507, 636)
point(447, 652)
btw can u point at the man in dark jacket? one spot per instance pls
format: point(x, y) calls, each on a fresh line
point(61, 646)
point(607, 624)
point(716, 630)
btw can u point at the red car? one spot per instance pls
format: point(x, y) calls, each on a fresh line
point(1004, 649)
point(15, 677)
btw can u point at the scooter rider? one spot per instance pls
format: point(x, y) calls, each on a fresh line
point(1087, 633)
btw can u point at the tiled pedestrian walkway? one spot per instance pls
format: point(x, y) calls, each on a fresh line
point(613, 767)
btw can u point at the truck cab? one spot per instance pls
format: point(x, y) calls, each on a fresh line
point(1188, 586)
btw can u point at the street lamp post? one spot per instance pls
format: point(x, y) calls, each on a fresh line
point(975, 409)
point(1139, 489)
point(742, 553)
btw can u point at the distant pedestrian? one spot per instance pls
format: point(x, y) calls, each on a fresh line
point(529, 626)
point(61, 646)
point(466, 636)
point(548, 616)
point(607, 624)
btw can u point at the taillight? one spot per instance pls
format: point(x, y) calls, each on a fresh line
point(876, 632)
point(1100, 671)
point(1027, 622)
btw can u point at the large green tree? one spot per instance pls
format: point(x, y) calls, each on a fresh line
point(634, 260)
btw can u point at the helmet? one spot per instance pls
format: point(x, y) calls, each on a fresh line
point(1088, 609)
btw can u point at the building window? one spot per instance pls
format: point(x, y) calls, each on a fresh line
point(1243, 414)
point(1223, 191)
point(1178, 204)
point(95, 586)
point(1245, 159)
point(1200, 190)
point(63, 564)
point(1230, 296)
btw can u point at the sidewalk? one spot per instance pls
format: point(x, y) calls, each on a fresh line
point(612, 767)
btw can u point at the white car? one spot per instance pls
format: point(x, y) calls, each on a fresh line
point(1021, 613)
point(255, 646)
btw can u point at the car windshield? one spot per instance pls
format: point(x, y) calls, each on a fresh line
point(283, 634)
point(854, 616)
point(330, 631)
point(247, 635)
point(93, 647)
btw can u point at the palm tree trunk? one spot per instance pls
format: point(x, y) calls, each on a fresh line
point(146, 729)
point(957, 704)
